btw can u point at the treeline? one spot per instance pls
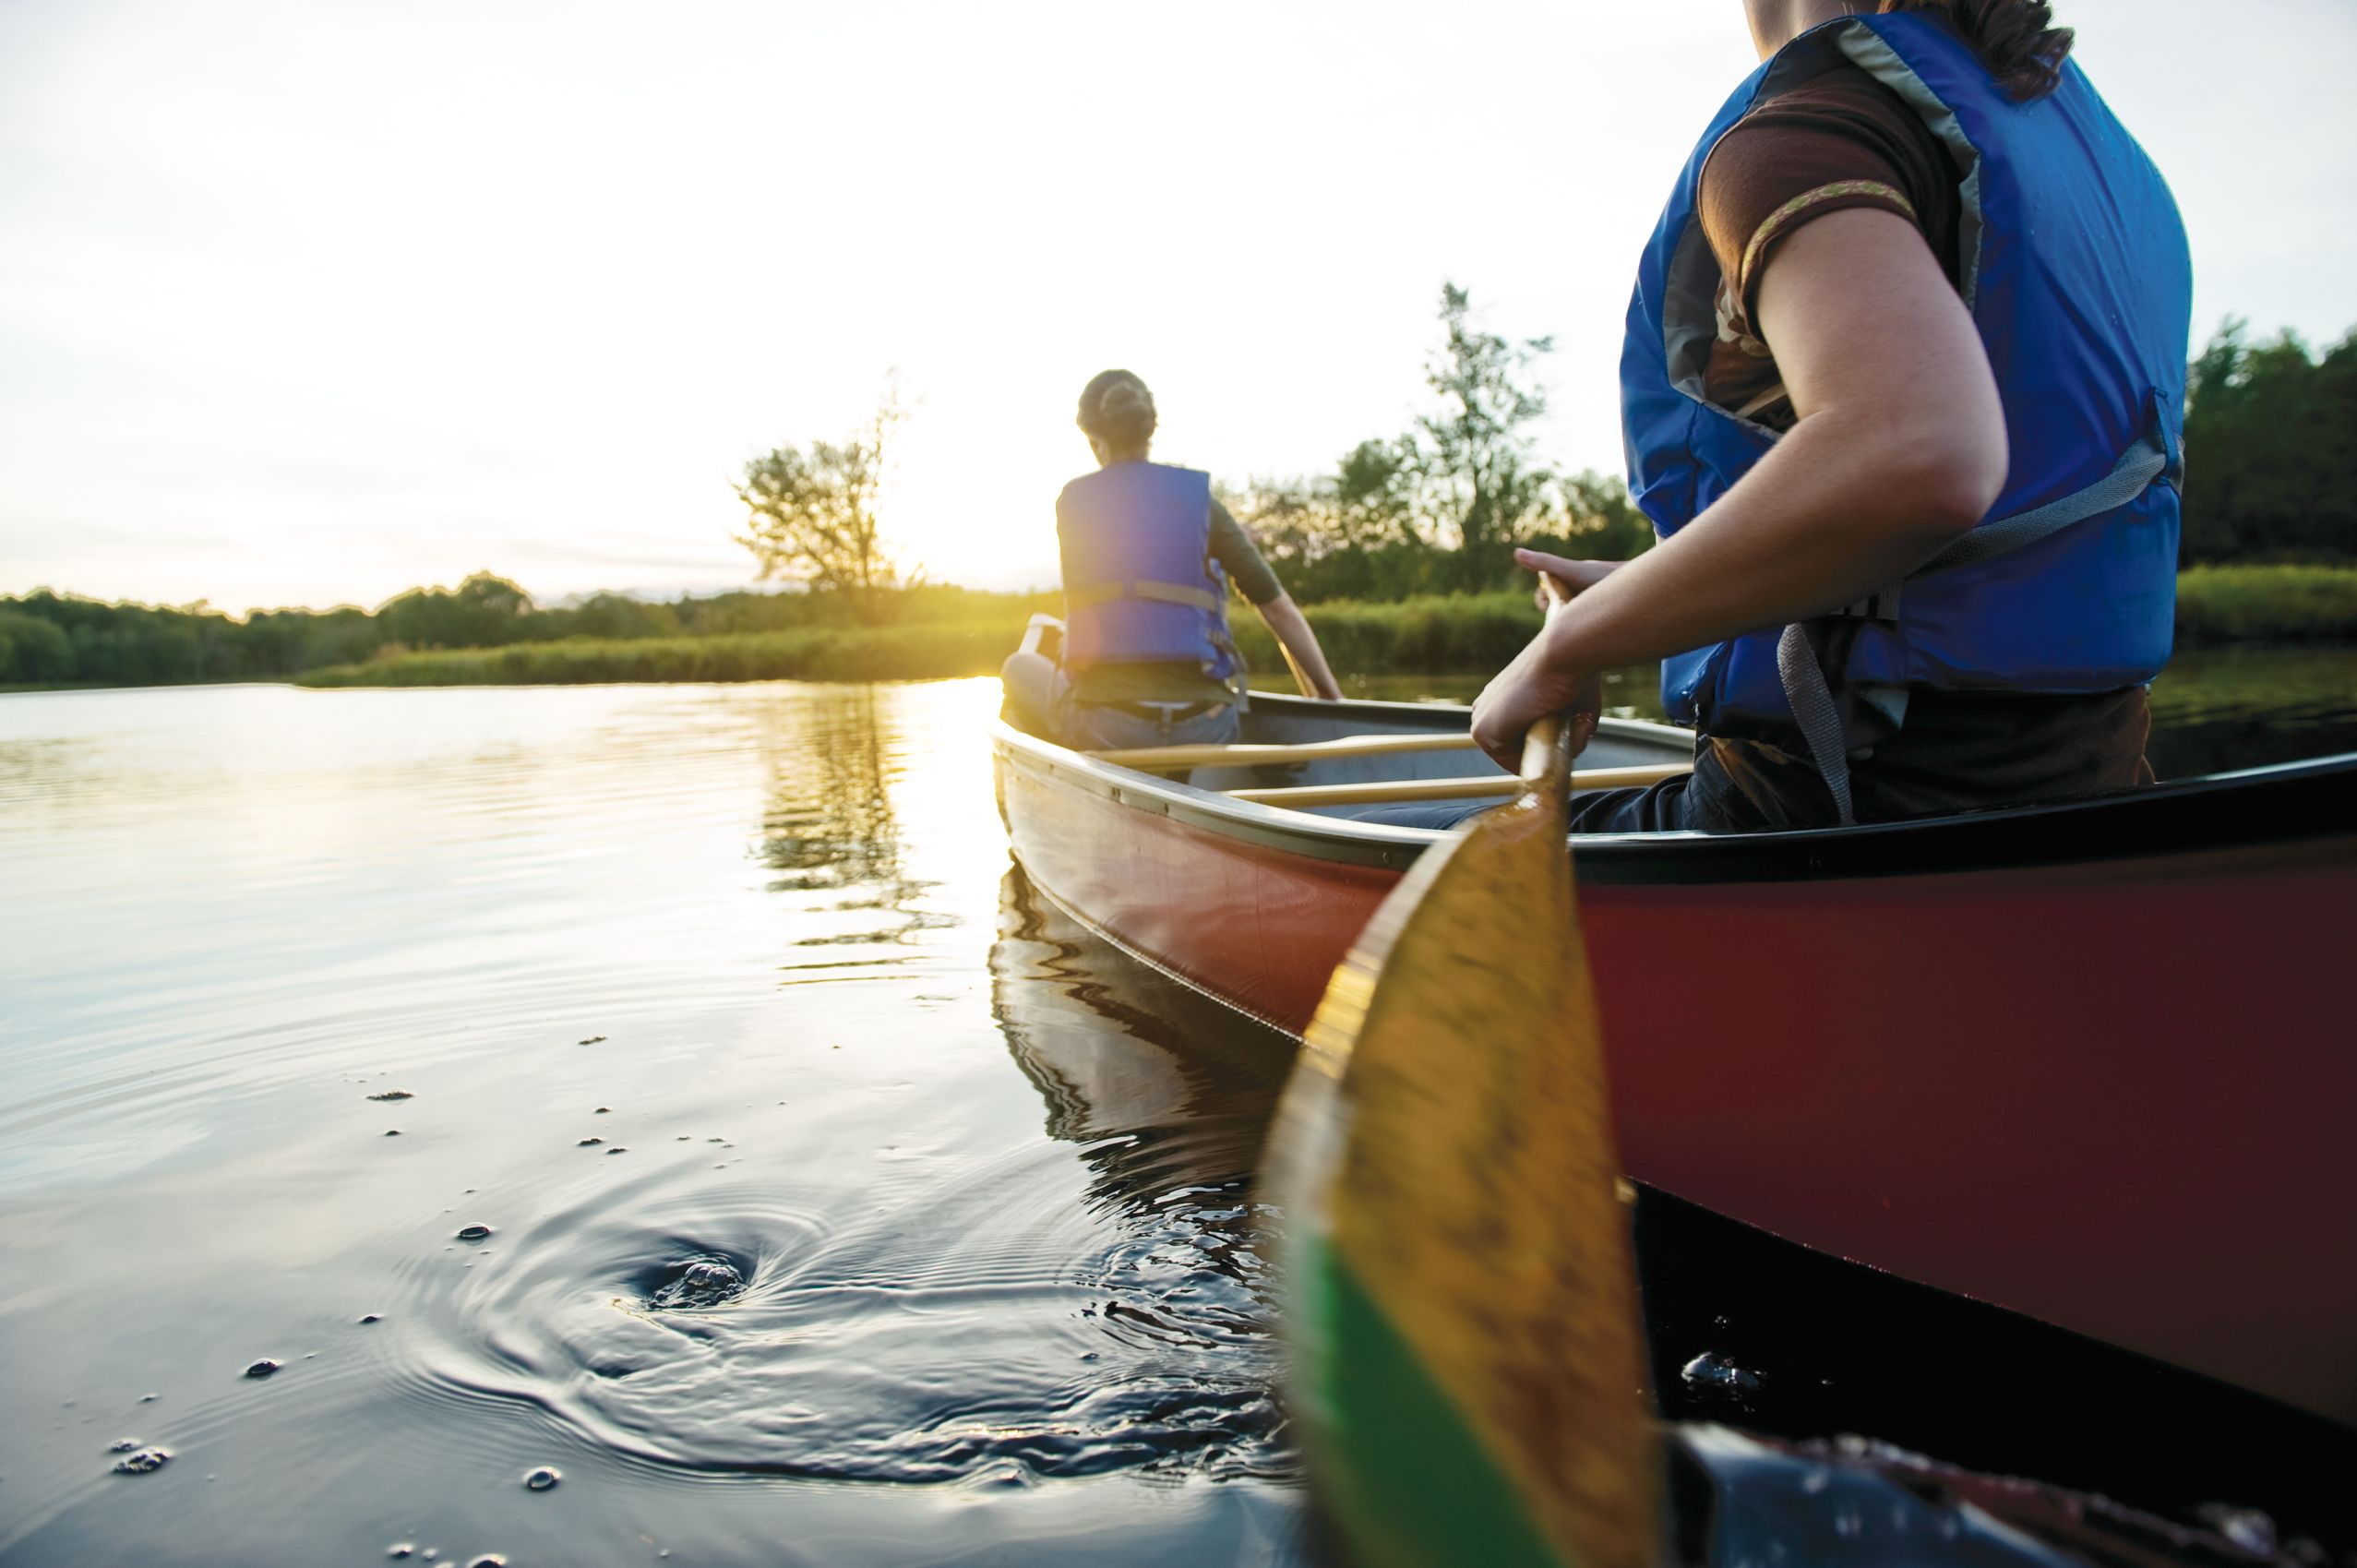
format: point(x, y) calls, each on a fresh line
point(2270, 444)
point(48, 637)
point(1436, 509)
point(1425, 635)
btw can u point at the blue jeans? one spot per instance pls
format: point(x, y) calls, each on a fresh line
point(1039, 700)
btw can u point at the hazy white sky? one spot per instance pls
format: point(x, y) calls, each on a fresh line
point(307, 303)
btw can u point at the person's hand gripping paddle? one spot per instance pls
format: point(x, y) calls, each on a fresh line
point(1465, 1352)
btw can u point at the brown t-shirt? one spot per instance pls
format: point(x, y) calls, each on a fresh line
point(1842, 141)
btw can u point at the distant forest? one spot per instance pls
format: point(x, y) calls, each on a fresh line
point(2270, 442)
point(47, 638)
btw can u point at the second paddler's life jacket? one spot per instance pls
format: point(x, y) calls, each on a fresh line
point(1140, 583)
point(2075, 270)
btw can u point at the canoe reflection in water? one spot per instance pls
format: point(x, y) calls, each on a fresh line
point(1169, 1097)
point(1170, 1093)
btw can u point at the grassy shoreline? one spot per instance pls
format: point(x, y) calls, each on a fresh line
point(2215, 605)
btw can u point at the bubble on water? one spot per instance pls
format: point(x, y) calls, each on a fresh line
point(147, 1399)
point(401, 1549)
point(542, 1478)
point(140, 1461)
point(489, 1560)
point(603, 1110)
point(2247, 1527)
point(392, 1132)
point(704, 1281)
point(372, 1317)
point(124, 1445)
point(263, 1368)
point(1713, 1373)
point(475, 1233)
point(394, 1094)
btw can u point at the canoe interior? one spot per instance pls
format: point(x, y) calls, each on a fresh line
point(1293, 721)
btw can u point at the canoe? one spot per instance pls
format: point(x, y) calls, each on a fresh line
point(2089, 1062)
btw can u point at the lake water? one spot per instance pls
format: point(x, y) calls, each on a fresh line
point(843, 1205)
point(672, 975)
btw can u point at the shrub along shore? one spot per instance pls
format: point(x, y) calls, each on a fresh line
point(1442, 633)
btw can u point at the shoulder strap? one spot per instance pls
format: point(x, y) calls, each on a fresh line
point(1805, 687)
point(1141, 588)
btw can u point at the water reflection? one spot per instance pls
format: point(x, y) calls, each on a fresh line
point(829, 825)
point(1164, 1089)
point(1169, 1097)
point(829, 822)
point(752, 1226)
point(2228, 708)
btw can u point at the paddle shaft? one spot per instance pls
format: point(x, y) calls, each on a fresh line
point(1546, 760)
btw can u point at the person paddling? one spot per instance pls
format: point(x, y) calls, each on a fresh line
point(1903, 389)
point(1147, 556)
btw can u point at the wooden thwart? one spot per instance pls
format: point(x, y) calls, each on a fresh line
point(1488, 787)
point(1155, 756)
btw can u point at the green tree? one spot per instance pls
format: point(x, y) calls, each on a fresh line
point(1374, 494)
point(1480, 472)
point(618, 617)
point(1596, 520)
point(1440, 506)
point(2270, 442)
point(484, 611)
point(812, 515)
point(34, 649)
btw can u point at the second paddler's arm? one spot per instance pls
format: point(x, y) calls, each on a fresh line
point(1899, 446)
point(1234, 549)
point(1306, 659)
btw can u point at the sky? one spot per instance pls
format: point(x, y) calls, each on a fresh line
point(309, 304)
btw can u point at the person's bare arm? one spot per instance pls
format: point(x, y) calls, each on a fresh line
point(1300, 644)
point(1900, 448)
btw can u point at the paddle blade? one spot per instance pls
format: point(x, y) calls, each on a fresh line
point(1467, 1355)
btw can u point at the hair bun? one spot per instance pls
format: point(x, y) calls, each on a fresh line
point(1117, 409)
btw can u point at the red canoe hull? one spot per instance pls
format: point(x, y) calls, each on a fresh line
point(2113, 1096)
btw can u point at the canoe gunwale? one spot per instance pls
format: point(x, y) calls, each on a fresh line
point(2286, 803)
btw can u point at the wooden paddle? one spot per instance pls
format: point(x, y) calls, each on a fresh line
point(1461, 1314)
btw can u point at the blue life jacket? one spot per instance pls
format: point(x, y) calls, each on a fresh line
point(2076, 273)
point(1139, 581)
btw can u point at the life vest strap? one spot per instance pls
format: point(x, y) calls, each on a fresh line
point(1805, 687)
point(1141, 588)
